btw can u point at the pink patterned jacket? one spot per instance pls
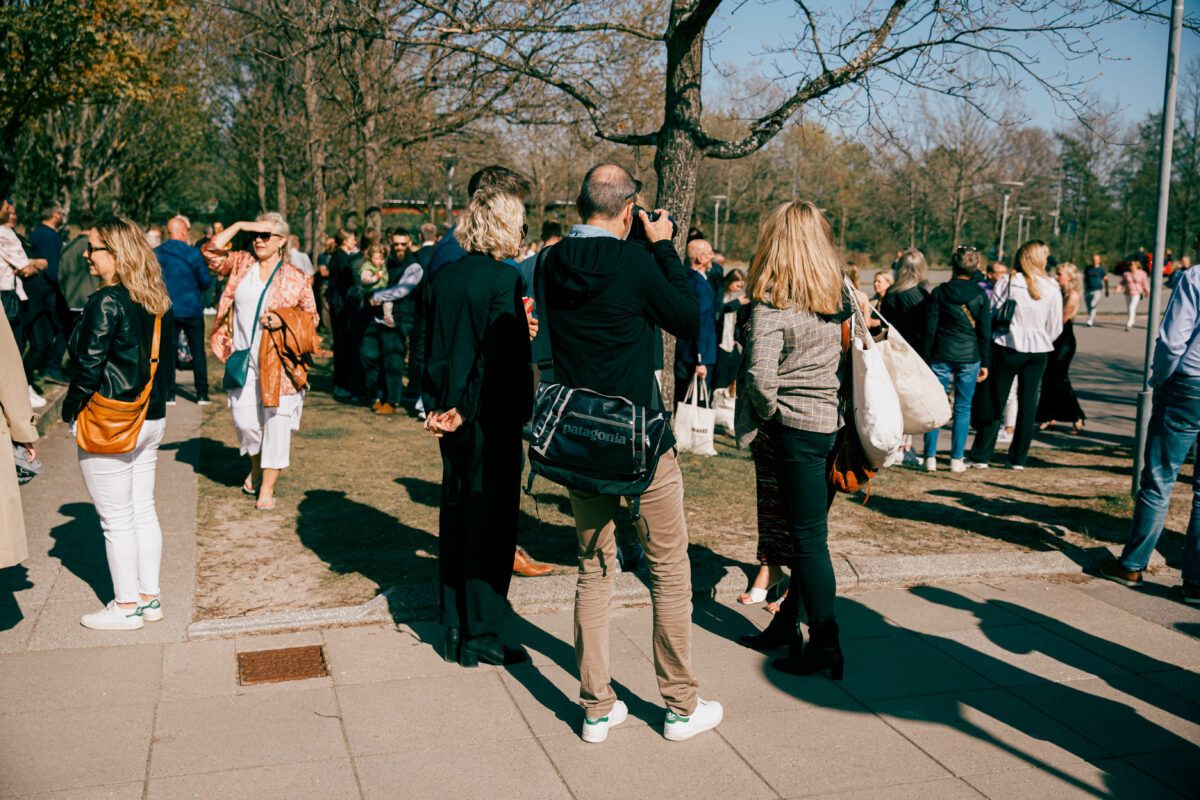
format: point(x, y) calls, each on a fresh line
point(292, 288)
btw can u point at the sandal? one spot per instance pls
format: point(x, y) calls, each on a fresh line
point(774, 607)
point(1077, 428)
point(249, 488)
point(265, 505)
point(755, 595)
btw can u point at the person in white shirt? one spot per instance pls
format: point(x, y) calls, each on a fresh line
point(1019, 353)
point(15, 264)
point(298, 257)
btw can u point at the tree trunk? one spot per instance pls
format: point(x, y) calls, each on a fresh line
point(316, 153)
point(281, 195)
point(261, 171)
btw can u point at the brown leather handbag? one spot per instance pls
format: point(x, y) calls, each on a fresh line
point(112, 426)
point(849, 470)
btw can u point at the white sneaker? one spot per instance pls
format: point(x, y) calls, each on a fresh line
point(708, 715)
point(976, 465)
point(35, 399)
point(1015, 466)
point(596, 730)
point(958, 465)
point(1003, 437)
point(205, 402)
point(152, 611)
point(113, 618)
point(931, 465)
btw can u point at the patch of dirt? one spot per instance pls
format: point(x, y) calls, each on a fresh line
point(357, 511)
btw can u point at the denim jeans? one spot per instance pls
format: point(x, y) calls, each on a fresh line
point(963, 377)
point(1174, 426)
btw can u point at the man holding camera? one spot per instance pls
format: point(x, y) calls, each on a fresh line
point(605, 300)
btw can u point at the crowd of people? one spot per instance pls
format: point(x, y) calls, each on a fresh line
point(470, 328)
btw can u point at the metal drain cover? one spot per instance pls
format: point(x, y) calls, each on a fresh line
point(288, 664)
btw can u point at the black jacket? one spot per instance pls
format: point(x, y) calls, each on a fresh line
point(477, 356)
point(958, 327)
point(605, 300)
point(111, 350)
point(906, 310)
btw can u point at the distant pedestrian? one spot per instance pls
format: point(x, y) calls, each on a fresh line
point(697, 358)
point(904, 305)
point(268, 317)
point(1019, 354)
point(76, 277)
point(1135, 284)
point(1172, 433)
point(478, 391)
point(1095, 286)
point(791, 394)
point(111, 348)
point(338, 285)
point(1058, 402)
point(958, 334)
point(298, 257)
point(882, 282)
point(43, 317)
point(187, 276)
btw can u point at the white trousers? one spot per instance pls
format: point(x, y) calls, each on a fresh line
point(1132, 304)
point(265, 431)
point(122, 489)
point(1093, 304)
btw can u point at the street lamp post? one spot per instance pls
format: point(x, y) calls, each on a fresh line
point(717, 198)
point(1160, 239)
point(1021, 219)
point(1007, 187)
point(450, 162)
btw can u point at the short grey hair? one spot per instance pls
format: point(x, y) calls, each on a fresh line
point(607, 189)
point(279, 226)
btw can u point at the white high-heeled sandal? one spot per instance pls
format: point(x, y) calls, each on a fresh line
point(758, 595)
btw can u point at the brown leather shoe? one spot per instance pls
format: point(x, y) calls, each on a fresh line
point(385, 408)
point(1113, 570)
point(375, 406)
point(524, 565)
point(1191, 593)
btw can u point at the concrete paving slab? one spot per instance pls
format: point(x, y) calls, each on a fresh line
point(222, 733)
point(386, 652)
point(822, 751)
point(206, 668)
point(548, 697)
point(250, 643)
point(973, 733)
point(511, 769)
point(936, 609)
point(1126, 715)
point(1180, 771)
point(1109, 778)
point(52, 680)
point(422, 713)
point(124, 791)
point(19, 623)
point(744, 682)
point(945, 789)
point(1184, 683)
point(702, 767)
point(328, 780)
point(74, 748)
point(1022, 654)
point(904, 665)
point(58, 628)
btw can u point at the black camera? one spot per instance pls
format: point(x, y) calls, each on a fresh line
point(637, 233)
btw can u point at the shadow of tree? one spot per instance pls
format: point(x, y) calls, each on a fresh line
point(12, 580)
point(79, 545)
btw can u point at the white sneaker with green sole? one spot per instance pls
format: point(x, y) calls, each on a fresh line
point(708, 715)
point(596, 730)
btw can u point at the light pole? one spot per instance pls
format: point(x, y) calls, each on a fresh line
point(717, 198)
point(1007, 187)
point(1021, 212)
point(1160, 239)
point(450, 162)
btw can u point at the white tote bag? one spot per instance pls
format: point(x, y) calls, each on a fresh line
point(923, 400)
point(876, 406)
point(724, 405)
point(694, 421)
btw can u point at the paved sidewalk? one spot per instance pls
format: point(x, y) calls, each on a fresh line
point(1024, 689)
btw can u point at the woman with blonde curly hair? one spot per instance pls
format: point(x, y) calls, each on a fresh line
point(113, 349)
point(477, 390)
point(266, 301)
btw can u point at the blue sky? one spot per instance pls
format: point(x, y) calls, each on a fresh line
point(1131, 77)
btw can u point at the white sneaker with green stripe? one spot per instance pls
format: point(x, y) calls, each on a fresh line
point(152, 611)
point(708, 715)
point(113, 618)
point(596, 729)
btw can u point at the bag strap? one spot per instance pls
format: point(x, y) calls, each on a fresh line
point(967, 311)
point(261, 298)
point(144, 395)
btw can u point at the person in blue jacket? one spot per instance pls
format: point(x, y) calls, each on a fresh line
point(697, 357)
point(186, 276)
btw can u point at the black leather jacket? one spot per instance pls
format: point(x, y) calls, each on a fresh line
point(111, 350)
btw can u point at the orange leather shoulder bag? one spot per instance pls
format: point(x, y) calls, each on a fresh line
point(112, 426)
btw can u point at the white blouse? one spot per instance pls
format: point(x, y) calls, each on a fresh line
point(1037, 323)
point(246, 327)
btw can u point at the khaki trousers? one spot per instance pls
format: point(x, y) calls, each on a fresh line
point(663, 533)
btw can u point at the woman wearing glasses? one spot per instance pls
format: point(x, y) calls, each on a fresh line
point(112, 349)
point(263, 296)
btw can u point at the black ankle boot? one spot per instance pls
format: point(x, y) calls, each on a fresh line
point(450, 650)
point(489, 650)
point(781, 632)
point(822, 653)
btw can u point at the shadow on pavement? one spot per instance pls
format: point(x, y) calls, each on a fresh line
point(12, 580)
point(79, 545)
point(215, 460)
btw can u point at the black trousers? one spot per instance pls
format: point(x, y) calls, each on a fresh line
point(1007, 365)
point(382, 354)
point(481, 498)
point(42, 328)
point(193, 333)
point(802, 471)
point(416, 356)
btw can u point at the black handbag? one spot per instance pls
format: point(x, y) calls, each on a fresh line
point(1002, 315)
